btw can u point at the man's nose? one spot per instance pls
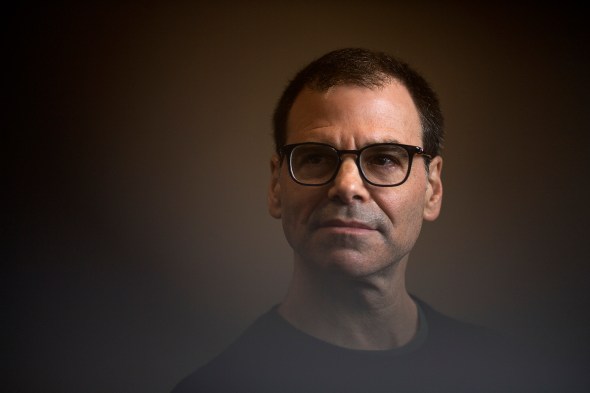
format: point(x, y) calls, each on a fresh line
point(348, 185)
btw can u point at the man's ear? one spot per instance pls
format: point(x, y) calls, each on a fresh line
point(434, 190)
point(274, 189)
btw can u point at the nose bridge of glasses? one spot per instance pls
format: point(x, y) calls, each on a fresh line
point(352, 154)
point(343, 153)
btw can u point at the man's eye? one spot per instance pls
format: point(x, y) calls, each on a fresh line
point(313, 159)
point(383, 161)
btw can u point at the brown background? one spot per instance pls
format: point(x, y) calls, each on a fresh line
point(138, 239)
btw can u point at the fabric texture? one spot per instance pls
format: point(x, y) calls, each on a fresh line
point(446, 355)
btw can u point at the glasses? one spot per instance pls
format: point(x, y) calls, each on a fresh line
point(380, 164)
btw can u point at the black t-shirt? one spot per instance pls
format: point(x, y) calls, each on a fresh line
point(446, 355)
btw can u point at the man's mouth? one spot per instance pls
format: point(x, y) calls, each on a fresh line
point(346, 226)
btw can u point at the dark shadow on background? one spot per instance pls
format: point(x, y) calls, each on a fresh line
point(140, 243)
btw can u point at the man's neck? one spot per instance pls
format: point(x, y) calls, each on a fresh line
point(374, 313)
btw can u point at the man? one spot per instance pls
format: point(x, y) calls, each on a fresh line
point(357, 169)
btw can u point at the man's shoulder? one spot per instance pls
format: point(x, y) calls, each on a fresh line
point(467, 342)
point(446, 330)
point(230, 367)
point(512, 361)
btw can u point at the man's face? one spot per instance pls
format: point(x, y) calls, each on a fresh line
point(350, 226)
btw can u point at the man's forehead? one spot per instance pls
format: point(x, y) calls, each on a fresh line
point(393, 90)
point(385, 107)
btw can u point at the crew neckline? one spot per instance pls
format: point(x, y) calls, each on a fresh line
point(415, 343)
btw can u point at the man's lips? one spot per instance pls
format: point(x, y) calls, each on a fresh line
point(346, 225)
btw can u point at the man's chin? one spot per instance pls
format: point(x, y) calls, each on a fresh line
point(350, 263)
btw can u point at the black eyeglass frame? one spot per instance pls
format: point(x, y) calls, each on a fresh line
point(286, 151)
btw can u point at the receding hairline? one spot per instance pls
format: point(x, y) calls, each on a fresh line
point(376, 80)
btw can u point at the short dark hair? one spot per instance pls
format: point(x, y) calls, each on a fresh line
point(365, 68)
